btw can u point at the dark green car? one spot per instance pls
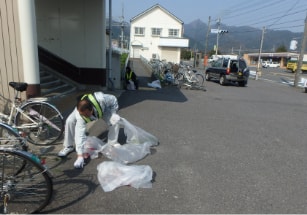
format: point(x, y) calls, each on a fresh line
point(228, 70)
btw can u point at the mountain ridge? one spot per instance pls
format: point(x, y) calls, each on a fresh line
point(238, 39)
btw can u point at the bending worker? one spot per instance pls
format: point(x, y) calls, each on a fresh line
point(131, 76)
point(89, 107)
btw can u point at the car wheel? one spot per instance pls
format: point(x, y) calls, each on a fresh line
point(222, 80)
point(242, 83)
point(207, 76)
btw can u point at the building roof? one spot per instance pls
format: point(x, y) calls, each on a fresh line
point(274, 54)
point(153, 8)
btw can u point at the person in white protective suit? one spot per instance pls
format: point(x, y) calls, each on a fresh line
point(89, 107)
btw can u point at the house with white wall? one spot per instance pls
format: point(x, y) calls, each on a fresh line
point(156, 33)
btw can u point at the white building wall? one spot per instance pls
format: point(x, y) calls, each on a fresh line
point(149, 45)
point(171, 54)
point(66, 28)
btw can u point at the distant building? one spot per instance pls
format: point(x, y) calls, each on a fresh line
point(279, 57)
point(157, 34)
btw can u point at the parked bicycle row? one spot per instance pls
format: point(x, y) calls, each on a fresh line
point(26, 183)
point(180, 75)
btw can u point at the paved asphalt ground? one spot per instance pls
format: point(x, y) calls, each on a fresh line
point(226, 150)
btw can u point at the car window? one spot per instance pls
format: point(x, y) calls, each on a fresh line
point(225, 63)
point(242, 64)
point(218, 63)
point(233, 66)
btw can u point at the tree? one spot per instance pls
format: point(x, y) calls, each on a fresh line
point(185, 54)
point(212, 52)
point(281, 48)
point(123, 59)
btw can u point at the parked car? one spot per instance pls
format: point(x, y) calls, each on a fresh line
point(228, 70)
point(266, 64)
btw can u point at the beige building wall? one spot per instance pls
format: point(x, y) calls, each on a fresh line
point(72, 29)
point(10, 50)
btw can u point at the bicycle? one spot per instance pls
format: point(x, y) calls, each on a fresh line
point(190, 78)
point(25, 184)
point(40, 121)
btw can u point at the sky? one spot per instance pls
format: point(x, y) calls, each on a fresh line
point(271, 14)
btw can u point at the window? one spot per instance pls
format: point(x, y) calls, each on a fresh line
point(242, 64)
point(173, 32)
point(156, 31)
point(218, 63)
point(139, 31)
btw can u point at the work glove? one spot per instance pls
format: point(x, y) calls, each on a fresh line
point(114, 119)
point(79, 163)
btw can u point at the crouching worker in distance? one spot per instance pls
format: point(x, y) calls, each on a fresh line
point(89, 107)
point(131, 80)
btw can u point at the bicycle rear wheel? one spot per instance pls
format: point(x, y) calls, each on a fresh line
point(48, 126)
point(199, 83)
point(26, 191)
point(10, 137)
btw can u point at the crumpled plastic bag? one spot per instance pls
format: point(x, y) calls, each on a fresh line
point(137, 144)
point(93, 146)
point(136, 147)
point(131, 85)
point(154, 84)
point(112, 175)
point(127, 153)
point(134, 134)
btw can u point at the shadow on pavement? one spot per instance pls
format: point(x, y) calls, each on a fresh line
point(79, 188)
point(166, 93)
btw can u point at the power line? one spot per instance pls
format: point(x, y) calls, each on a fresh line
point(273, 18)
point(289, 14)
point(253, 10)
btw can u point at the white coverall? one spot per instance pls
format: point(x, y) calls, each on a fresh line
point(75, 127)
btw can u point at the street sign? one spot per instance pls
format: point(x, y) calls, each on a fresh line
point(214, 31)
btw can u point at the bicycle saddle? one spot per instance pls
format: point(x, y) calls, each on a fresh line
point(19, 86)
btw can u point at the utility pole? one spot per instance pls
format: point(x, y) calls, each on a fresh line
point(206, 44)
point(258, 72)
point(122, 29)
point(109, 77)
point(301, 57)
point(217, 35)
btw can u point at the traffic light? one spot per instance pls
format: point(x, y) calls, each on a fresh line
point(223, 31)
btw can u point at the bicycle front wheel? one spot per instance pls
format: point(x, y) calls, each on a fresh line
point(178, 79)
point(26, 191)
point(10, 137)
point(42, 122)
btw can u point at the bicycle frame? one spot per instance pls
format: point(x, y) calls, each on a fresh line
point(16, 108)
point(191, 78)
point(38, 116)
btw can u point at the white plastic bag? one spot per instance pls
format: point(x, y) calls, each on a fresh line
point(136, 147)
point(112, 175)
point(155, 84)
point(113, 134)
point(131, 85)
point(127, 153)
point(134, 134)
point(93, 146)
